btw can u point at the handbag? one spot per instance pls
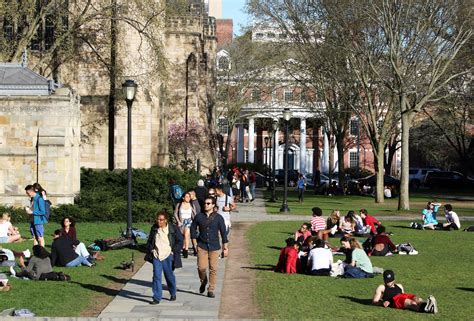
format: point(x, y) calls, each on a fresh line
point(149, 257)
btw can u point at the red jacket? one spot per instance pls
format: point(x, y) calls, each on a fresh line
point(288, 260)
point(371, 221)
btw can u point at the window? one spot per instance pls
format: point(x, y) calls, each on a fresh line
point(223, 63)
point(282, 36)
point(289, 95)
point(353, 160)
point(256, 94)
point(271, 35)
point(259, 35)
point(223, 126)
point(354, 127)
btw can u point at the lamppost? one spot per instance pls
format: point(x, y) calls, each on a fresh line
point(265, 155)
point(129, 88)
point(267, 160)
point(275, 143)
point(286, 117)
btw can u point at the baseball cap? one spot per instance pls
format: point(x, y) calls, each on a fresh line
point(388, 276)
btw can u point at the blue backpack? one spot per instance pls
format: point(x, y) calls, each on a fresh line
point(176, 192)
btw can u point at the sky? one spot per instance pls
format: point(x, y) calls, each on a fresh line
point(234, 9)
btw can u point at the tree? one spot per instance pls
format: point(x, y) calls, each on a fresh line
point(245, 77)
point(421, 39)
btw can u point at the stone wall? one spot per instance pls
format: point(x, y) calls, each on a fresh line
point(51, 125)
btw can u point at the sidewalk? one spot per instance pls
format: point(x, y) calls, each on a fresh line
point(133, 300)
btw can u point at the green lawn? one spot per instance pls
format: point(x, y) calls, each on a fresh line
point(49, 298)
point(346, 203)
point(443, 268)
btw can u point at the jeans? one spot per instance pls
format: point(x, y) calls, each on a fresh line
point(207, 259)
point(252, 189)
point(78, 261)
point(356, 273)
point(164, 267)
point(81, 250)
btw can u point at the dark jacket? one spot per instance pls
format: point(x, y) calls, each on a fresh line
point(176, 242)
point(209, 230)
point(62, 251)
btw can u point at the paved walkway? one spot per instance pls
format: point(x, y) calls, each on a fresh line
point(133, 300)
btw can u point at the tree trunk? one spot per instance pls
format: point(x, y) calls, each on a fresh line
point(331, 157)
point(112, 86)
point(379, 187)
point(404, 198)
point(340, 156)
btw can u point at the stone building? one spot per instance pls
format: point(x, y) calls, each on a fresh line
point(40, 130)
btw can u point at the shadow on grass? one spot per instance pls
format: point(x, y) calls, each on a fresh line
point(465, 289)
point(357, 300)
point(260, 267)
point(274, 247)
point(404, 226)
point(114, 292)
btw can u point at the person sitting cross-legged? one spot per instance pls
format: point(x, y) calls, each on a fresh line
point(320, 259)
point(63, 253)
point(391, 294)
point(288, 261)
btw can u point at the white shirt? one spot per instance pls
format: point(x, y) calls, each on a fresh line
point(320, 258)
point(221, 202)
point(452, 217)
point(186, 213)
point(4, 228)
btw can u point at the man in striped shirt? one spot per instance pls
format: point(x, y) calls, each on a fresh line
point(317, 222)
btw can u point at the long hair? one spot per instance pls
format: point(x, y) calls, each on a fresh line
point(73, 223)
point(354, 244)
point(334, 216)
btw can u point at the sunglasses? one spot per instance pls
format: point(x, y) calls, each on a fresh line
point(210, 203)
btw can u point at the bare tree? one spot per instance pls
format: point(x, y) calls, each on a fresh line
point(421, 40)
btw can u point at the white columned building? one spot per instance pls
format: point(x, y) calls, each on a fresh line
point(251, 140)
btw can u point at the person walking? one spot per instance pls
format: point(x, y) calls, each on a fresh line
point(205, 231)
point(301, 186)
point(163, 250)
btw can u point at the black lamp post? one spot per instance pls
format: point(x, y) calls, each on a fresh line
point(265, 155)
point(286, 117)
point(275, 143)
point(129, 88)
point(267, 159)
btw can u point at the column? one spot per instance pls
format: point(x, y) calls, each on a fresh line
point(325, 158)
point(303, 146)
point(275, 147)
point(251, 138)
point(240, 144)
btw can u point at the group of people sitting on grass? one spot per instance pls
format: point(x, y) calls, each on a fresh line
point(430, 220)
point(66, 251)
point(309, 252)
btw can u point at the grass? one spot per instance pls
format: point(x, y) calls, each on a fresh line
point(346, 203)
point(75, 298)
point(442, 268)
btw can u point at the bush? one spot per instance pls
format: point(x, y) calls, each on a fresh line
point(103, 196)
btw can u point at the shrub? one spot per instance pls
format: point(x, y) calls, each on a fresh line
point(103, 195)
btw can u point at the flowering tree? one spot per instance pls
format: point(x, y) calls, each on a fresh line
point(184, 143)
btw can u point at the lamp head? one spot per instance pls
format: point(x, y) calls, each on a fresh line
point(266, 140)
point(275, 125)
point(287, 114)
point(129, 88)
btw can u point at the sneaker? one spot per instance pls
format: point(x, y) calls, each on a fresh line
point(402, 253)
point(202, 288)
point(434, 304)
point(211, 295)
point(185, 254)
point(155, 302)
point(412, 225)
point(173, 298)
point(413, 252)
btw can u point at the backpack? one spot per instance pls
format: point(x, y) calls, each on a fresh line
point(176, 192)
point(47, 206)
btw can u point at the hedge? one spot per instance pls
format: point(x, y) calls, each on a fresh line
point(103, 195)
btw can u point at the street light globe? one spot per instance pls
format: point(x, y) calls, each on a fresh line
point(275, 125)
point(286, 114)
point(129, 88)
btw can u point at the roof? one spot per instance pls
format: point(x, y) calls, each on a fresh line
point(17, 80)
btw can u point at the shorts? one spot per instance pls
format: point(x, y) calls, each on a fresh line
point(37, 230)
point(187, 222)
point(399, 300)
point(4, 239)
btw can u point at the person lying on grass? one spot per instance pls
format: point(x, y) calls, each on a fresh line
point(288, 261)
point(391, 294)
point(39, 267)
